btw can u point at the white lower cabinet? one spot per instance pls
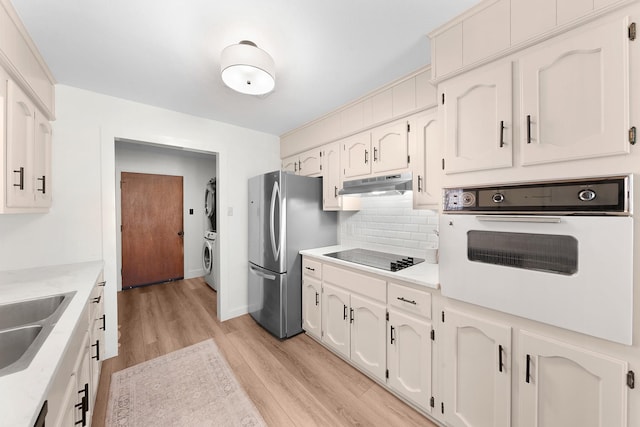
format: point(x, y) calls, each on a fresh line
point(368, 322)
point(476, 379)
point(311, 308)
point(409, 357)
point(564, 385)
point(335, 319)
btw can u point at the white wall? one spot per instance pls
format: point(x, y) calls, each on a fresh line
point(195, 168)
point(389, 223)
point(82, 223)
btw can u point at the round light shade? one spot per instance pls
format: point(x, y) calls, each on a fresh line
point(247, 69)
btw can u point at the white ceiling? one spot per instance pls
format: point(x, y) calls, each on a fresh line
point(167, 53)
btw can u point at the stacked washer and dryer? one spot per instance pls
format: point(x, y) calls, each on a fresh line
point(210, 234)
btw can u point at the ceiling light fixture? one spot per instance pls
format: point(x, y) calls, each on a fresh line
point(247, 69)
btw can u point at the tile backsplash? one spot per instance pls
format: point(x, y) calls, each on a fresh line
point(389, 223)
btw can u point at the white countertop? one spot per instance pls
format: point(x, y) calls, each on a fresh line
point(423, 274)
point(22, 393)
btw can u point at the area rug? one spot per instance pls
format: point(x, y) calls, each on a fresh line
point(193, 386)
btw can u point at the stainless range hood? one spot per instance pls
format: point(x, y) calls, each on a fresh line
point(378, 185)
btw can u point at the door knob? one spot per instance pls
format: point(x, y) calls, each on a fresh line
point(181, 233)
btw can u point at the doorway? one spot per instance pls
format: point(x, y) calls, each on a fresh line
point(152, 228)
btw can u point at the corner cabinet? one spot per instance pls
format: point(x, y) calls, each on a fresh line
point(562, 385)
point(477, 371)
point(478, 119)
point(565, 117)
point(27, 144)
point(331, 177)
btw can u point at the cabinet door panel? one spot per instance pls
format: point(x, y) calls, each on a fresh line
point(290, 164)
point(335, 319)
point(310, 163)
point(331, 177)
point(368, 347)
point(531, 18)
point(478, 120)
point(311, 310)
point(355, 158)
point(409, 357)
point(568, 385)
point(42, 162)
point(575, 101)
point(20, 127)
point(390, 147)
point(477, 390)
point(426, 138)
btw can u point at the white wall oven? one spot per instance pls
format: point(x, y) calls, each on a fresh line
point(557, 252)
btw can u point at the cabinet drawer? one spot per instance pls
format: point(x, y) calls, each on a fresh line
point(311, 268)
point(356, 282)
point(409, 299)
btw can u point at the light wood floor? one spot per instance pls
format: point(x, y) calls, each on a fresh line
point(295, 382)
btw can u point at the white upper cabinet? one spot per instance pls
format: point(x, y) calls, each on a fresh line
point(331, 176)
point(564, 385)
point(390, 147)
point(574, 95)
point(19, 148)
point(355, 157)
point(308, 163)
point(290, 164)
point(478, 119)
point(425, 141)
point(529, 18)
point(42, 161)
point(485, 32)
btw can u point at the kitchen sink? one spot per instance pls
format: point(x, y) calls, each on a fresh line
point(25, 312)
point(24, 326)
point(15, 343)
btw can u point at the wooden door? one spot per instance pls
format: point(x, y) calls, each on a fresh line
point(152, 229)
point(368, 333)
point(477, 371)
point(390, 147)
point(575, 96)
point(478, 119)
point(335, 319)
point(569, 386)
point(409, 357)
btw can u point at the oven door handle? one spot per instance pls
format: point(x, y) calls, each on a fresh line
point(516, 218)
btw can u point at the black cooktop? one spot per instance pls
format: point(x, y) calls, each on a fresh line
point(382, 260)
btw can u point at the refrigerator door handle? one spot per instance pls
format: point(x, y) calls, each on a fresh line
point(261, 274)
point(275, 193)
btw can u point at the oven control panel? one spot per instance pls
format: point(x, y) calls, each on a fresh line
point(597, 196)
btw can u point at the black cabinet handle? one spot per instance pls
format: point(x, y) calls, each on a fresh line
point(103, 283)
point(96, 300)
point(344, 312)
point(97, 346)
point(366, 156)
point(419, 184)
point(403, 299)
point(310, 269)
point(20, 183)
point(295, 166)
point(84, 405)
point(393, 337)
point(501, 133)
point(528, 129)
point(104, 323)
point(317, 299)
point(528, 373)
point(44, 184)
point(299, 165)
point(351, 315)
point(500, 357)
point(375, 154)
point(335, 191)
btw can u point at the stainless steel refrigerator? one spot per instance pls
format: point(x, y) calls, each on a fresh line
point(285, 216)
